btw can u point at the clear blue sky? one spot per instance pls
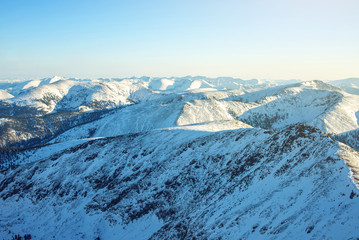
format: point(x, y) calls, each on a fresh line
point(265, 39)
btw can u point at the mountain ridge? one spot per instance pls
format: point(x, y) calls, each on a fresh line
point(179, 158)
point(124, 191)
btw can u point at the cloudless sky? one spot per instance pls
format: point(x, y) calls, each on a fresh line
point(265, 39)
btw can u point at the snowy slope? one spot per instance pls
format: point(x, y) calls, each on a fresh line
point(59, 94)
point(350, 138)
point(186, 183)
point(155, 111)
point(169, 111)
point(350, 85)
point(43, 109)
point(189, 83)
point(176, 103)
point(313, 103)
point(16, 87)
point(178, 158)
point(4, 94)
point(35, 130)
point(56, 94)
point(32, 154)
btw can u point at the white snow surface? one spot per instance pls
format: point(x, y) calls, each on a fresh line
point(185, 182)
point(59, 94)
point(350, 85)
point(313, 103)
point(4, 94)
point(180, 158)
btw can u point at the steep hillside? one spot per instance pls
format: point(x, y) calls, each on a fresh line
point(35, 130)
point(186, 183)
point(168, 111)
point(350, 138)
point(43, 109)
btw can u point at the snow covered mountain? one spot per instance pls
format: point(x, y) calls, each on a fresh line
point(57, 109)
point(260, 104)
point(178, 158)
point(185, 183)
point(312, 103)
point(55, 105)
point(350, 85)
point(69, 95)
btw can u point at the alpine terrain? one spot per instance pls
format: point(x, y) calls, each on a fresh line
point(179, 158)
